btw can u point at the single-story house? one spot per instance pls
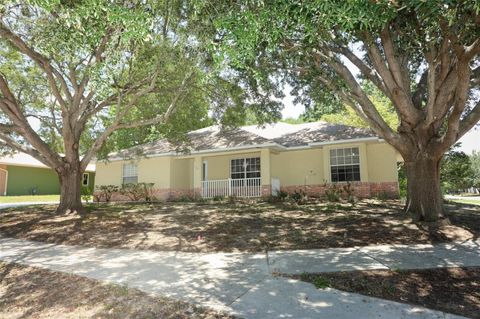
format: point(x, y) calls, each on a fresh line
point(21, 174)
point(253, 161)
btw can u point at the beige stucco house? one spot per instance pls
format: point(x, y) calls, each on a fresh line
point(253, 161)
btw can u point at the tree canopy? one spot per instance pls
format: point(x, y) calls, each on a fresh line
point(456, 171)
point(90, 70)
point(421, 55)
point(475, 160)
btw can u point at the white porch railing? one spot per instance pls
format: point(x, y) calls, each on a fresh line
point(245, 187)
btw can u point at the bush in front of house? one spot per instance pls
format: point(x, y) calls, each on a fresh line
point(299, 196)
point(349, 191)
point(105, 192)
point(86, 193)
point(138, 191)
point(279, 197)
point(333, 192)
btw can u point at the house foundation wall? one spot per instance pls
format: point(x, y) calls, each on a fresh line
point(360, 190)
point(158, 194)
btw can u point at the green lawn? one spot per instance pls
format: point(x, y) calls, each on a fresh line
point(29, 198)
point(467, 201)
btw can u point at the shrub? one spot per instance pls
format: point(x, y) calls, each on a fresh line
point(299, 197)
point(148, 192)
point(87, 193)
point(349, 190)
point(281, 196)
point(402, 181)
point(106, 192)
point(333, 192)
point(138, 191)
point(218, 198)
point(132, 191)
point(97, 197)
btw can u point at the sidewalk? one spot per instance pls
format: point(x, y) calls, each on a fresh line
point(456, 254)
point(21, 204)
point(243, 284)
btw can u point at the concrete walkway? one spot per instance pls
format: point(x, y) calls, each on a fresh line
point(243, 284)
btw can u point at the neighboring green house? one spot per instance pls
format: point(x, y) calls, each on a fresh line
point(21, 174)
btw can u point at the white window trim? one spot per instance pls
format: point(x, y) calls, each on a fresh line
point(245, 167)
point(337, 165)
point(88, 179)
point(127, 176)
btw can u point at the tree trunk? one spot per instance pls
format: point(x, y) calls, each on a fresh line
point(70, 192)
point(424, 200)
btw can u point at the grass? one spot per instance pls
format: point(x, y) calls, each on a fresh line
point(467, 201)
point(454, 290)
point(234, 227)
point(29, 199)
point(29, 292)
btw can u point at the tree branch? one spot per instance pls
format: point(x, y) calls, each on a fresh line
point(371, 114)
point(460, 99)
point(116, 125)
point(398, 73)
point(22, 148)
point(469, 120)
point(10, 107)
point(402, 102)
point(52, 74)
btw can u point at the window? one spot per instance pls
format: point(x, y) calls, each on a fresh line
point(85, 178)
point(241, 168)
point(345, 164)
point(130, 174)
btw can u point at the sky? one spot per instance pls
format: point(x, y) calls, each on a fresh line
point(470, 141)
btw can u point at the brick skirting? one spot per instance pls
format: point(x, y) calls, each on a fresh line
point(159, 194)
point(361, 190)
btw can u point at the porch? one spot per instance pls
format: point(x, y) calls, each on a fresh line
point(245, 187)
point(243, 174)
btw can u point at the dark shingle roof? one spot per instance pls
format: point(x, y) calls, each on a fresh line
point(280, 134)
point(209, 138)
point(323, 132)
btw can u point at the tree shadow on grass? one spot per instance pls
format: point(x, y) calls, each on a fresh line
point(38, 293)
point(453, 290)
point(466, 216)
point(242, 227)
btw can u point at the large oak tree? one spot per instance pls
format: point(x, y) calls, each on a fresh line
point(72, 73)
point(422, 55)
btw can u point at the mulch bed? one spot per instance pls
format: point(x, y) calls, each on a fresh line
point(453, 290)
point(238, 227)
point(28, 292)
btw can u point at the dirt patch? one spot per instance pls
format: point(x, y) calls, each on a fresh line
point(28, 292)
point(250, 227)
point(453, 290)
